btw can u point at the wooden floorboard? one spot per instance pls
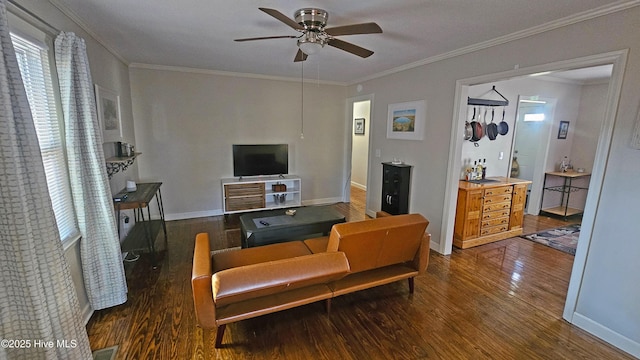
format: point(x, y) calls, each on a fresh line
point(502, 301)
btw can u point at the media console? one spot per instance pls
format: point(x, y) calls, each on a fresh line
point(260, 193)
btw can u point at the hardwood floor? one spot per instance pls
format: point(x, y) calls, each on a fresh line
point(502, 300)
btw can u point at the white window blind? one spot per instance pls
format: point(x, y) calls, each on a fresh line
point(33, 60)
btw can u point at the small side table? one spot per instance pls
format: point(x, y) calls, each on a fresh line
point(566, 189)
point(143, 234)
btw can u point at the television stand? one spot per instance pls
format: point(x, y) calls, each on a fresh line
point(260, 193)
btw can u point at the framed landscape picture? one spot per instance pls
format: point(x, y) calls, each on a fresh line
point(108, 108)
point(406, 120)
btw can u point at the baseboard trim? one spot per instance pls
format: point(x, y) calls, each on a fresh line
point(189, 215)
point(359, 186)
point(620, 341)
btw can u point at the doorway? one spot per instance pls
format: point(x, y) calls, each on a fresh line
point(359, 126)
point(604, 138)
point(531, 135)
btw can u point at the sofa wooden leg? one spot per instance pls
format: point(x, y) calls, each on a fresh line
point(411, 285)
point(327, 304)
point(220, 334)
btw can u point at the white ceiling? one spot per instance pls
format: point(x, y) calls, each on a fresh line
point(199, 33)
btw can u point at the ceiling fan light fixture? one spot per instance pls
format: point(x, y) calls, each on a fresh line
point(311, 43)
point(310, 48)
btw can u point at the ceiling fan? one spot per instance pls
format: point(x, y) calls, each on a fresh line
point(311, 23)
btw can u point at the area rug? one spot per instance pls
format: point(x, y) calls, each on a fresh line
point(563, 239)
point(106, 353)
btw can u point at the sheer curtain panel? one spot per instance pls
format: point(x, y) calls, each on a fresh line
point(100, 252)
point(37, 297)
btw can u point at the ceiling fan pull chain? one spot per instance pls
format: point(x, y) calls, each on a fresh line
point(302, 102)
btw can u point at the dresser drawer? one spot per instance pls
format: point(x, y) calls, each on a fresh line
point(495, 222)
point(496, 214)
point(492, 199)
point(249, 189)
point(499, 191)
point(493, 230)
point(496, 206)
point(244, 203)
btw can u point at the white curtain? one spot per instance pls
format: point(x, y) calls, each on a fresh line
point(37, 296)
point(100, 253)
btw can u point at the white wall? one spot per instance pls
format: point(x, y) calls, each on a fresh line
point(609, 291)
point(360, 146)
point(108, 71)
point(186, 124)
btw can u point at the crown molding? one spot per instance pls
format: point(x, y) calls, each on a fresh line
point(82, 24)
point(566, 21)
point(229, 73)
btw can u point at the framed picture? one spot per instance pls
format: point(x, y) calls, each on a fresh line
point(108, 107)
point(406, 120)
point(358, 126)
point(563, 130)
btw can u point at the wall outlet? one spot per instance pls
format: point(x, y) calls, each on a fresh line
point(378, 153)
point(501, 155)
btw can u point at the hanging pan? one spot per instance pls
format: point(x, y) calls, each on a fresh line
point(476, 128)
point(503, 127)
point(492, 128)
point(468, 130)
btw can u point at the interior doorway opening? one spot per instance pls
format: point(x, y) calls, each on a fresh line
point(358, 154)
point(604, 138)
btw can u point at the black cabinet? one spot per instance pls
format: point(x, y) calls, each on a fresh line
point(396, 182)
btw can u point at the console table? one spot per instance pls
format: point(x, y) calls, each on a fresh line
point(566, 189)
point(143, 234)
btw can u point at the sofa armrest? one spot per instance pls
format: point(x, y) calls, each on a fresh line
point(201, 283)
point(421, 261)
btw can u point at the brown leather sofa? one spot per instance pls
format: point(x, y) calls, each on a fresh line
point(241, 284)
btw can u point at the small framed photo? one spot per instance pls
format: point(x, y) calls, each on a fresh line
point(563, 130)
point(358, 126)
point(406, 120)
point(108, 108)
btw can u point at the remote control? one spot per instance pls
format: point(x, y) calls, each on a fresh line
point(264, 223)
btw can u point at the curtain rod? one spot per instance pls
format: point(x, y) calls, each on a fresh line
point(26, 11)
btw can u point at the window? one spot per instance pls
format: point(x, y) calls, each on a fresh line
point(33, 60)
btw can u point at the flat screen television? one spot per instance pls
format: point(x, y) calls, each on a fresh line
point(260, 159)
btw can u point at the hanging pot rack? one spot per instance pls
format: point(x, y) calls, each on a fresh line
point(488, 102)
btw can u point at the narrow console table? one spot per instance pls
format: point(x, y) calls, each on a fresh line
point(143, 234)
point(566, 189)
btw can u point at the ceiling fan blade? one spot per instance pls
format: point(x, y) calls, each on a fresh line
point(282, 17)
point(349, 47)
point(300, 56)
point(267, 37)
point(364, 28)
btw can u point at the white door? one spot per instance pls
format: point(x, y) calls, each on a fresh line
point(530, 145)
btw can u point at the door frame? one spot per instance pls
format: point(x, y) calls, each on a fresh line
point(618, 59)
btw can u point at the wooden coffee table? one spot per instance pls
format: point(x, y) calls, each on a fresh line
point(274, 226)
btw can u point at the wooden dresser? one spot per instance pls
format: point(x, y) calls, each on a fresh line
point(490, 211)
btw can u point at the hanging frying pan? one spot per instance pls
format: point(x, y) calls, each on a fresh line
point(503, 127)
point(492, 128)
point(468, 130)
point(476, 128)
